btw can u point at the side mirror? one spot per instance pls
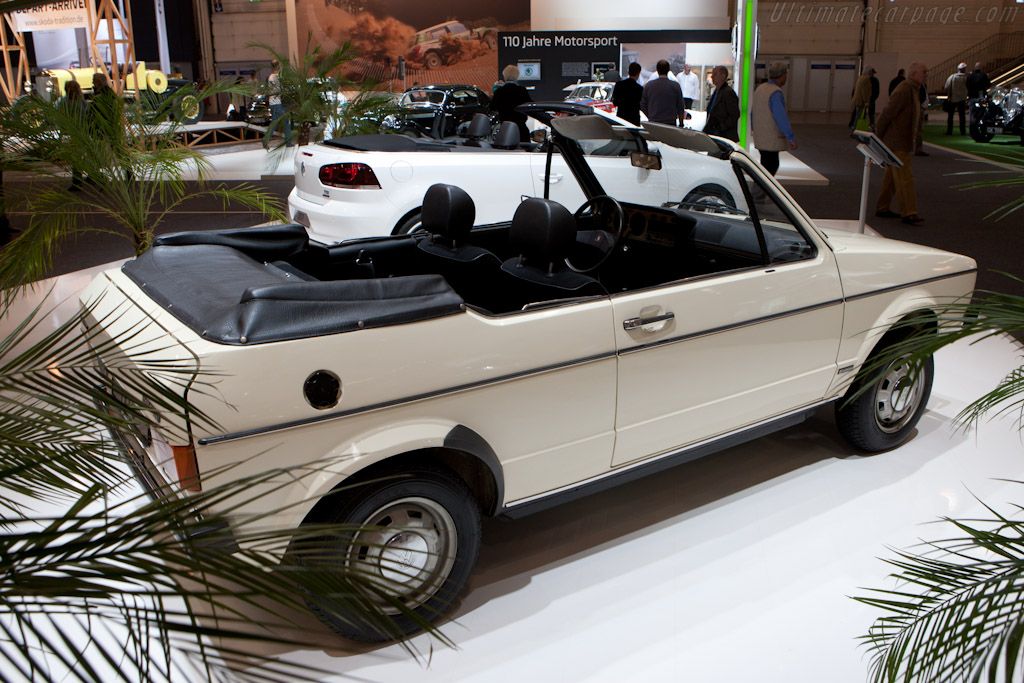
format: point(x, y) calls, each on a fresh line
point(540, 135)
point(651, 162)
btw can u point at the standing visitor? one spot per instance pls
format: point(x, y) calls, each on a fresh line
point(901, 76)
point(690, 84)
point(897, 126)
point(861, 96)
point(977, 83)
point(73, 103)
point(956, 91)
point(626, 95)
point(875, 92)
point(274, 100)
point(770, 123)
point(662, 100)
point(724, 108)
point(509, 96)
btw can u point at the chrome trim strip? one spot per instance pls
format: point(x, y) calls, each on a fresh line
point(894, 288)
point(732, 326)
point(212, 440)
point(667, 455)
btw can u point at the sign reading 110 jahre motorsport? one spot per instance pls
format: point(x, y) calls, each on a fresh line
point(52, 16)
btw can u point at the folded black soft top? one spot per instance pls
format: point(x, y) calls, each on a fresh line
point(229, 297)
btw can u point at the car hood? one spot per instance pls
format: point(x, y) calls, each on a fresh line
point(868, 263)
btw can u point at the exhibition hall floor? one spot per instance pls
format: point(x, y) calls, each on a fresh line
point(737, 567)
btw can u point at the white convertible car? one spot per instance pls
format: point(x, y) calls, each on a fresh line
point(370, 185)
point(424, 380)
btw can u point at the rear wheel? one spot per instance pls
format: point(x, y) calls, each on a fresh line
point(886, 412)
point(417, 541)
point(433, 60)
point(410, 223)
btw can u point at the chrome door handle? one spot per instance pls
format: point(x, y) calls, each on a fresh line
point(555, 177)
point(637, 323)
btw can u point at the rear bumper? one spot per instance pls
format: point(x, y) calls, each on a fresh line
point(337, 220)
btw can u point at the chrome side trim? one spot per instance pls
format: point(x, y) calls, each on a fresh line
point(733, 326)
point(213, 440)
point(895, 288)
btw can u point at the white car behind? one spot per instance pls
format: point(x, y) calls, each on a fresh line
point(367, 186)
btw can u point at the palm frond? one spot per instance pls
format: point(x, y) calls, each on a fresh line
point(959, 613)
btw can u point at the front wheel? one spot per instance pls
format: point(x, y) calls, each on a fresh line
point(415, 540)
point(884, 414)
point(709, 197)
point(979, 134)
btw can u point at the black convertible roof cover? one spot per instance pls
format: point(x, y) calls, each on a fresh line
point(228, 290)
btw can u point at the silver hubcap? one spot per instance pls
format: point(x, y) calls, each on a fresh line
point(410, 551)
point(897, 396)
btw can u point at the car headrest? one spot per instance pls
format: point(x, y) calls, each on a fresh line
point(542, 231)
point(479, 126)
point(508, 135)
point(448, 211)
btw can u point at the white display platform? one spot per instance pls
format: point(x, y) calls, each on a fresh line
point(736, 567)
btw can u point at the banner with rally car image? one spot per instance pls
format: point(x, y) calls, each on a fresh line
point(449, 41)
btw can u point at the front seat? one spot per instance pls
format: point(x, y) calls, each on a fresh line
point(447, 216)
point(479, 129)
point(507, 136)
point(542, 233)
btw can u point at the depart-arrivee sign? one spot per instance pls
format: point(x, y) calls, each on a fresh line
point(52, 16)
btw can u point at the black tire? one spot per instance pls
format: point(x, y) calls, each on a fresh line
point(711, 196)
point(978, 134)
point(411, 223)
point(885, 414)
point(420, 544)
point(490, 40)
point(433, 60)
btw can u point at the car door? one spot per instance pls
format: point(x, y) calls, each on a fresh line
point(745, 342)
point(610, 162)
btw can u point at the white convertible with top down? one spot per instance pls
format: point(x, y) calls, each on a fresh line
point(502, 369)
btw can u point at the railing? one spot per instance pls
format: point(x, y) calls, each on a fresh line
point(993, 52)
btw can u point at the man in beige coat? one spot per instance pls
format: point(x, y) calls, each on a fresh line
point(897, 125)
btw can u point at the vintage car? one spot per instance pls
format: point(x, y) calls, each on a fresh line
point(374, 185)
point(436, 111)
point(595, 93)
point(413, 383)
point(429, 45)
point(999, 112)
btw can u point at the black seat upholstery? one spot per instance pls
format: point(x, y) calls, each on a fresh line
point(479, 130)
point(507, 136)
point(447, 216)
point(542, 233)
point(479, 127)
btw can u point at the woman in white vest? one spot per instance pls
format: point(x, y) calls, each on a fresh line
point(772, 132)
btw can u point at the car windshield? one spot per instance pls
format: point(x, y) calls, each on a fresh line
point(592, 92)
point(420, 98)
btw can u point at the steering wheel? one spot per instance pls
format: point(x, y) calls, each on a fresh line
point(599, 238)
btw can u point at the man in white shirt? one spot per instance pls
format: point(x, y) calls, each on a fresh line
point(690, 84)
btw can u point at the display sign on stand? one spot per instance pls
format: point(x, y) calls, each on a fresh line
point(875, 152)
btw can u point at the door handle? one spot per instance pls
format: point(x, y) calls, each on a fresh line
point(555, 177)
point(647, 323)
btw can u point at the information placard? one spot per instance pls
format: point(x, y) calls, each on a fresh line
point(52, 16)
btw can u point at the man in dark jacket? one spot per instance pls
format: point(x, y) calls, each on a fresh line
point(627, 94)
point(662, 100)
point(977, 82)
point(724, 109)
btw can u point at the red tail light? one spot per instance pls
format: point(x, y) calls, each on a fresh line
point(356, 176)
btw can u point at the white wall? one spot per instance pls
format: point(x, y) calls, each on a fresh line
point(649, 15)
